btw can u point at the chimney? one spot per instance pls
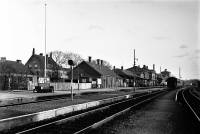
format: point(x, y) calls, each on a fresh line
point(51, 54)
point(102, 62)
point(41, 54)
point(98, 61)
point(114, 68)
point(122, 68)
point(18, 61)
point(89, 58)
point(3, 59)
point(154, 67)
point(33, 53)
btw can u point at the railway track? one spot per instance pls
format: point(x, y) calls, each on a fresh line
point(192, 102)
point(89, 119)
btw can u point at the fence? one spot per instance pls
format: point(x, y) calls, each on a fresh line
point(65, 86)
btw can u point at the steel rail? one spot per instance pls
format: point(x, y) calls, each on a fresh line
point(61, 121)
point(194, 95)
point(192, 109)
point(98, 100)
point(97, 124)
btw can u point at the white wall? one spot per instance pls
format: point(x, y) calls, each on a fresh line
point(63, 86)
point(67, 86)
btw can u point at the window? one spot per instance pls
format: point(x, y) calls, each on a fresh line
point(36, 65)
point(84, 80)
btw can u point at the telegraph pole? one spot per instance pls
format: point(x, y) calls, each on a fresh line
point(179, 72)
point(134, 59)
point(133, 72)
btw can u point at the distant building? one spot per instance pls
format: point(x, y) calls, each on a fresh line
point(13, 75)
point(96, 73)
point(159, 79)
point(162, 77)
point(153, 76)
point(165, 74)
point(36, 65)
point(146, 73)
point(145, 76)
point(126, 76)
point(141, 74)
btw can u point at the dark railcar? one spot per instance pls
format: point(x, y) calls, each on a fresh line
point(172, 82)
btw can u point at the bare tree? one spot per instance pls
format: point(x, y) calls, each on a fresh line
point(59, 57)
point(107, 64)
point(62, 58)
point(73, 56)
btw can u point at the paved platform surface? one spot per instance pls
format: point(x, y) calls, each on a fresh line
point(19, 96)
point(162, 116)
point(17, 110)
point(29, 94)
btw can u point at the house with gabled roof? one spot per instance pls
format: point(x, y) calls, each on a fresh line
point(148, 77)
point(165, 74)
point(153, 76)
point(36, 65)
point(96, 73)
point(13, 75)
point(139, 72)
point(127, 77)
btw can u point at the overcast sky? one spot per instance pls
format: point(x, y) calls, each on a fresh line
point(163, 32)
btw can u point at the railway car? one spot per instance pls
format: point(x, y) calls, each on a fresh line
point(172, 83)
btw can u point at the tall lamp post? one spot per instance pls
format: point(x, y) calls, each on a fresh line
point(45, 42)
point(71, 63)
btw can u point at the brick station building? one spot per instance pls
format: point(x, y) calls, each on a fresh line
point(36, 65)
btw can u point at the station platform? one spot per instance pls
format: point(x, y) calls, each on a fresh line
point(34, 111)
point(25, 96)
